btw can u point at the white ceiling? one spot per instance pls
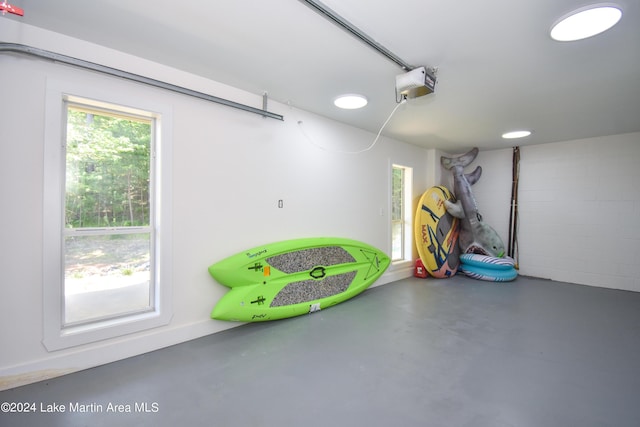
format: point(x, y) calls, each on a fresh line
point(498, 69)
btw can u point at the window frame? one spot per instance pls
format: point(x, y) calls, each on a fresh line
point(90, 107)
point(59, 95)
point(406, 220)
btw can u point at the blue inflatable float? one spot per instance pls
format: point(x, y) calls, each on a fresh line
point(492, 269)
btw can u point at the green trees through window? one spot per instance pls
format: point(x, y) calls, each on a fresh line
point(397, 213)
point(108, 216)
point(401, 208)
point(107, 170)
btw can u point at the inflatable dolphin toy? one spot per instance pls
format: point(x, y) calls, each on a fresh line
point(475, 236)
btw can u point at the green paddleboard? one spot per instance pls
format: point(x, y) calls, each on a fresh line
point(294, 277)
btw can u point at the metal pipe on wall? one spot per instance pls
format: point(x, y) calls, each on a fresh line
point(64, 59)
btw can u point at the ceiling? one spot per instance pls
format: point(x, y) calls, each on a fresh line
point(497, 67)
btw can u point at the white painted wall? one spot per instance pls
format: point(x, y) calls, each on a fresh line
point(230, 168)
point(579, 206)
point(579, 211)
point(579, 200)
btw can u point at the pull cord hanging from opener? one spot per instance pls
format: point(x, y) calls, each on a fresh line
point(301, 125)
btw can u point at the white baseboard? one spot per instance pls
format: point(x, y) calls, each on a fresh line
point(90, 356)
point(394, 273)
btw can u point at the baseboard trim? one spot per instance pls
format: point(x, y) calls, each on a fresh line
point(79, 358)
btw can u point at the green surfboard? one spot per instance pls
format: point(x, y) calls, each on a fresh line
point(294, 277)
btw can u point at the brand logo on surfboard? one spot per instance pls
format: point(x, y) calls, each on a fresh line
point(257, 266)
point(253, 255)
point(425, 235)
point(260, 300)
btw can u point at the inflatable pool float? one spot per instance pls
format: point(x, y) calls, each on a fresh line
point(492, 269)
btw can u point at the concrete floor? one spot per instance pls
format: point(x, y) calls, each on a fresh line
point(455, 352)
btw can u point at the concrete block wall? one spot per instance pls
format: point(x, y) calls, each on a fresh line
point(579, 211)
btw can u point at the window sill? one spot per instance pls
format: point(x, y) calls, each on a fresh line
point(97, 331)
point(400, 264)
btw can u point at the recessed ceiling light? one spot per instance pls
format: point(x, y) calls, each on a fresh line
point(586, 22)
point(516, 134)
point(350, 101)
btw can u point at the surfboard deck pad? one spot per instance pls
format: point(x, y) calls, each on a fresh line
point(307, 259)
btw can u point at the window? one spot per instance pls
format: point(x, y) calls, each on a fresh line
point(108, 225)
point(401, 179)
point(106, 231)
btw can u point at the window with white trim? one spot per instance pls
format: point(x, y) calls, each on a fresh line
point(108, 217)
point(104, 247)
point(401, 219)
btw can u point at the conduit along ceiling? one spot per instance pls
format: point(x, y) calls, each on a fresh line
point(498, 69)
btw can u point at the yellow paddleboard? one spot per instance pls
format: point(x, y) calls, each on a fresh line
point(436, 233)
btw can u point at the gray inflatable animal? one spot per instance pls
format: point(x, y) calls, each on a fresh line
point(475, 236)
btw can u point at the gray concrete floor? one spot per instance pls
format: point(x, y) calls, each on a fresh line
point(455, 352)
